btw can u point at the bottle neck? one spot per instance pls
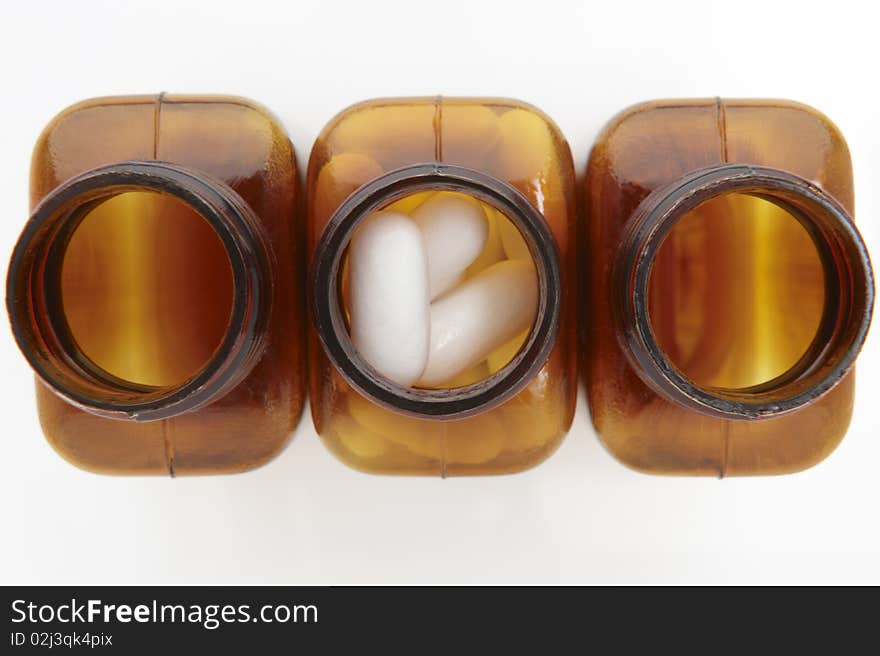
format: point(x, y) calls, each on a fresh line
point(37, 316)
point(848, 296)
point(327, 312)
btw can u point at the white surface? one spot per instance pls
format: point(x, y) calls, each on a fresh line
point(305, 518)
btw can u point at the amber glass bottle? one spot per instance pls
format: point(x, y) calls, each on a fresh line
point(512, 159)
point(730, 289)
point(154, 289)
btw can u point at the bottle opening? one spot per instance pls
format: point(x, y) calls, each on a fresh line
point(146, 289)
point(744, 292)
point(439, 290)
point(435, 291)
point(737, 292)
point(140, 290)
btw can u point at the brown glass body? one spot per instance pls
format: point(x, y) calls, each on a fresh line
point(514, 143)
point(237, 142)
point(642, 149)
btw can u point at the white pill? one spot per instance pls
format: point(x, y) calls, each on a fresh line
point(477, 317)
point(390, 316)
point(455, 231)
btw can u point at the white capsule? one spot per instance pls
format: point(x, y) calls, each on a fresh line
point(455, 231)
point(477, 317)
point(390, 317)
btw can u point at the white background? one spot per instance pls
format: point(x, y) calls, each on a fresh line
point(306, 518)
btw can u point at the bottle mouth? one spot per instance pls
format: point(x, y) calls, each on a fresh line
point(845, 317)
point(36, 310)
point(328, 315)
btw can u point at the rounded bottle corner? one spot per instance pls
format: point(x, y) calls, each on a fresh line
point(280, 136)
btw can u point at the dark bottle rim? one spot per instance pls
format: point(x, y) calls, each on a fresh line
point(33, 298)
point(849, 295)
point(327, 313)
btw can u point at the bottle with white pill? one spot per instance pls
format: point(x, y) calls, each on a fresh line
point(440, 236)
point(731, 291)
point(154, 289)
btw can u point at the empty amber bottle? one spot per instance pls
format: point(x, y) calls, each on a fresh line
point(512, 159)
point(730, 290)
point(154, 288)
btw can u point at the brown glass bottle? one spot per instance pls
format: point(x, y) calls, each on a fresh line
point(508, 156)
point(155, 288)
point(730, 290)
